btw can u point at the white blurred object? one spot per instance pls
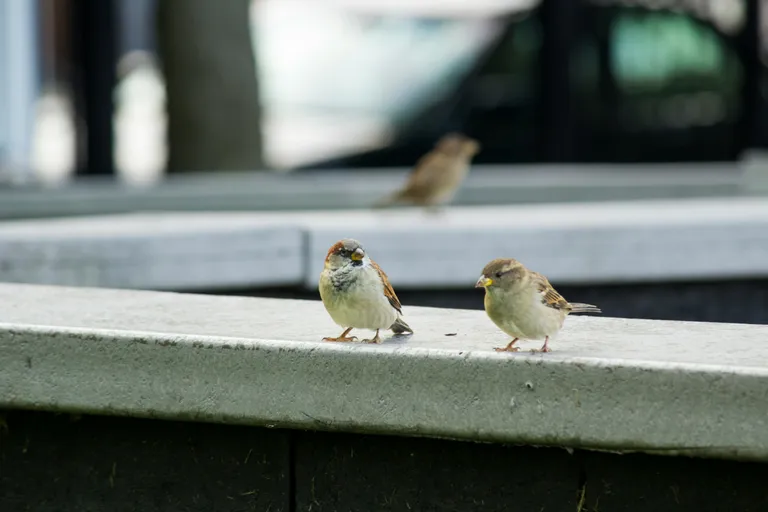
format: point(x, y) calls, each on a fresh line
point(438, 8)
point(334, 80)
point(296, 138)
point(140, 121)
point(18, 86)
point(754, 171)
point(54, 138)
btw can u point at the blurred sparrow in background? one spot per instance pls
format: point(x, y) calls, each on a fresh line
point(523, 304)
point(357, 293)
point(436, 177)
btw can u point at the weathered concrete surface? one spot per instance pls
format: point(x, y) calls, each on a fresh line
point(611, 384)
point(578, 243)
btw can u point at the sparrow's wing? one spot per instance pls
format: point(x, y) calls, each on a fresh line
point(549, 295)
point(389, 292)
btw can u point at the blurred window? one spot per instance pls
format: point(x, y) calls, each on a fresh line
point(670, 89)
point(350, 86)
point(336, 80)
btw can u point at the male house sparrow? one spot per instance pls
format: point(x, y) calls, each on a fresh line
point(436, 177)
point(523, 304)
point(357, 293)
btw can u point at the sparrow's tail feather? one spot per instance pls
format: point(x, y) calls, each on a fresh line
point(399, 327)
point(584, 308)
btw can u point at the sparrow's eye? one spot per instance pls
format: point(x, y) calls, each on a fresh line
point(499, 274)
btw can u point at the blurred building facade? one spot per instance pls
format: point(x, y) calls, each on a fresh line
point(19, 85)
point(371, 84)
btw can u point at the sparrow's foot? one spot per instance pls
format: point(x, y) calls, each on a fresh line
point(509, 348)
point(544, 348)
point(342, 338)
point(375, 339)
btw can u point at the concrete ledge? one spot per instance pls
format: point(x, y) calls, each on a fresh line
point(359, 188)
point(572, 243)
point(147, 251)
point(611, 384)
point(611, 242)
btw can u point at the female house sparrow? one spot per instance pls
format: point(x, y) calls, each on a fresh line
point(523, 304)
point(357, 294)
point(436, 177)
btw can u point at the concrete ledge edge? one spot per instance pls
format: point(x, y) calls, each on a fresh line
point(609, 243)
point(412, 388)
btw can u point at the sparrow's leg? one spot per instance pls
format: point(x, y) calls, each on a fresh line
point(545, 348)
point(375, 339)
point(342, 337)
point(509, 347)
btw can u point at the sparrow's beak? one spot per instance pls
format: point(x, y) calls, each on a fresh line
point(483, 282)
point(358, 255)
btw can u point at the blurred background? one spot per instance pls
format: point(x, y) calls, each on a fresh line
point(368, 83)
point(103, 103)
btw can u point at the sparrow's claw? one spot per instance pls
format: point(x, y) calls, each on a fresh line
point(375, 339)
point(342, 338)
point(509, 348)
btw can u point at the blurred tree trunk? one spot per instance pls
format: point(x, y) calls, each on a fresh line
point(214, 120)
